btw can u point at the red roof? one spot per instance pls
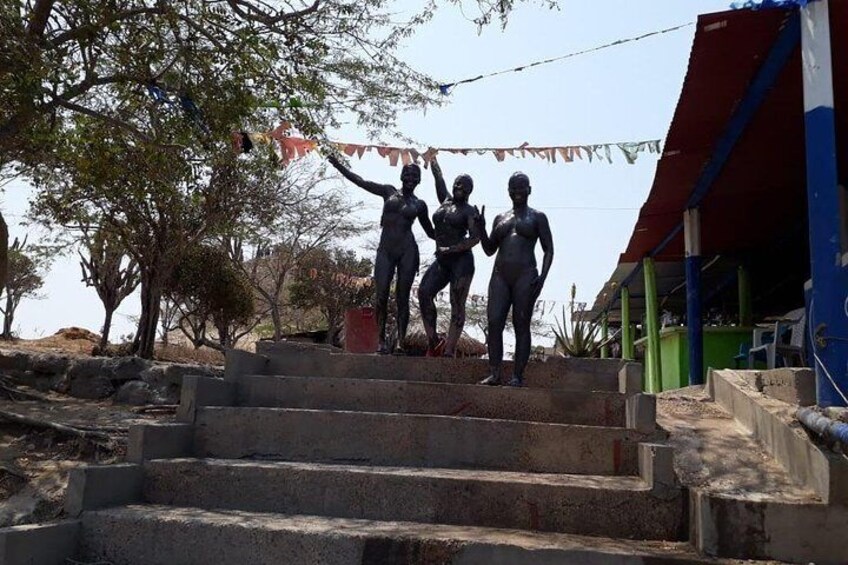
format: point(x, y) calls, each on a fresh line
point(759, 196)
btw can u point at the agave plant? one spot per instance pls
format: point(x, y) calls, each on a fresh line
point(583, 340)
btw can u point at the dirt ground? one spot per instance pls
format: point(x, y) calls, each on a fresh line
point(44, 435)
point(35, 458)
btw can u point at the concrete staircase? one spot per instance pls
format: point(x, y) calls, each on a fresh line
point(268, 468)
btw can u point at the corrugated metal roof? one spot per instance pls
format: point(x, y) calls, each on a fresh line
point(759, 197)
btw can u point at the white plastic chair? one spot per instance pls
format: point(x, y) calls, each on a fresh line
point(794, 322)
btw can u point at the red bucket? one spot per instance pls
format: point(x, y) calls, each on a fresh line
point(361, 330)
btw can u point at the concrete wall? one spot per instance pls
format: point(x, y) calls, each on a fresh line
point(773, 423)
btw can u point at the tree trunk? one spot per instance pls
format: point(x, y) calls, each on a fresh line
point(277, 320)
point(4, 251)
point(9, 317)
point(107, 326)
point(151, 297)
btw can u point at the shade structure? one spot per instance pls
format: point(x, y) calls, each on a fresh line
point(754, 210)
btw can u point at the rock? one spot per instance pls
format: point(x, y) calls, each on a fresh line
point(136, 393)
point(14, 361)
point(48, 363)
point(168, 394)
point(154, 375)
point(95, 388)
point(90, 378)
point(125, 369)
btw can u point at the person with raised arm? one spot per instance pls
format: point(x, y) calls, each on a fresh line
point(456, 234)
point(515, 280)
point(397, 251)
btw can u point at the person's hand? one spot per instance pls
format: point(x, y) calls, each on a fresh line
point(536, 287)
point(480, 218)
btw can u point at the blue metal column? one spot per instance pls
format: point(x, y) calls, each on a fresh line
point(828, 319)
point(694, 318)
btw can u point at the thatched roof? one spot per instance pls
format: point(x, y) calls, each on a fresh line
point(416, 344)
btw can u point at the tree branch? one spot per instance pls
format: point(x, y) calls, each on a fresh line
point(82, 31)
point(39, 18)
point(100, 116)
point(249, 12)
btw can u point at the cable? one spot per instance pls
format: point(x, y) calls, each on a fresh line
point(819, 361)
point(446, 88)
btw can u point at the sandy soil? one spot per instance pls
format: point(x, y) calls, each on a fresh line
point(714, 453)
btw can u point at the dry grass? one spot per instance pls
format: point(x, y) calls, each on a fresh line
point(78, 342)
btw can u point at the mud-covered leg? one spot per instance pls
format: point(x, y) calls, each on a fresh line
point(434, 280)
point(383, 273)
point(406, 271)
point(461, 275)
point(497, 310)
point(522, 312)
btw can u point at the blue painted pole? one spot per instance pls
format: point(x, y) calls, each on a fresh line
point(828, 316)
point(694, 317)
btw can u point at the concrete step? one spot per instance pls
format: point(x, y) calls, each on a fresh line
point(157, 535)
point(372, 438)
point(617, 507)
point(305, 360)
point(410, 397)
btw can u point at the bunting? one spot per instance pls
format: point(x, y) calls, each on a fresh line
point(767, 4)
point(291, 147)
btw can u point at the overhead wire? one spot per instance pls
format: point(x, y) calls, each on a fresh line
point(447, 87)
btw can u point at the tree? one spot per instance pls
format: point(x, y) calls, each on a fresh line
point(215, 64)
point(312, 216)
point(208, 289)
point(23, 280)
point(113, 274)
point(154, 202)
point(332, 280)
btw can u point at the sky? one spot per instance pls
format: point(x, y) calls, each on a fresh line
point(625, 93)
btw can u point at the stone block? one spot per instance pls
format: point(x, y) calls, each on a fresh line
point(656, 467)
point(102, 486)
point(791, 532)
point(240, 363)
point(39, 544)
point(795, 386)
point(159, 441)
point(630, 379)
point(641, 412)
point(204, 391)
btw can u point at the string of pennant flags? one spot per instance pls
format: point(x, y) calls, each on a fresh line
point(291, 148)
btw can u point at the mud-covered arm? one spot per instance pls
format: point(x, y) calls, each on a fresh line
point(547, 242)
point(441, 187)
point(384, 190)
point(490, 245)
point(424, 218)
